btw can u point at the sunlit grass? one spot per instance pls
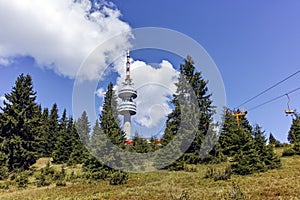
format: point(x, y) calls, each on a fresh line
point(282, 183)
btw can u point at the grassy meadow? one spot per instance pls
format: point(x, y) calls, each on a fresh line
point(283, 183)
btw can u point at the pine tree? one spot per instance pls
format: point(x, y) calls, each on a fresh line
point(42, 138)
point(83, 128)
point(79, 141)
point(266, 153)
point(109, 122)
point(139, 145)
point(19, 125)
point(273, 141)
point(53, 131)
point(232, 134)
point(63, 146)
point(192, 114)
point(247, 159)
point(294, 132)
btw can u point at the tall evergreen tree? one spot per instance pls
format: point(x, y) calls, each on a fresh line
point(63, 146)
point(273, 141)
point(83, 128)
point(52, 134)
point(294, 132)
point(42, 138)
point(79, 141)
point(19, 125)
point(266, 153)
point(233, 134)
point(109, 122)
point(192, 104)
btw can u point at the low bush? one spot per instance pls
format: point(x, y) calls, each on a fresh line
point(221, 174)
point(118, 178)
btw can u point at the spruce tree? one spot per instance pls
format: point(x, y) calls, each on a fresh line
point(83, 128)
point(63, 146)
point(53, 131)
point(42, 138)
point(266, 153)
point(109, 138)
point(273, 141)
point(247, 159)
point(140, 145)
point(232, 134)
point(192, 114)
point(19, 125)
point(294, 132)
point(109, 122)
point(79, 141)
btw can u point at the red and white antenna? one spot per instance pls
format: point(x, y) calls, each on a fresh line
point(128, 67)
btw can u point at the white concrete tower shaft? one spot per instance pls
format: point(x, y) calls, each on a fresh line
point(127, 93)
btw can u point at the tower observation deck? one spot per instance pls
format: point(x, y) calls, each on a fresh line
point(127, 93)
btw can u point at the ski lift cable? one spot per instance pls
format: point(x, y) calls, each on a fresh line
point(266, 90)
point(274, 99)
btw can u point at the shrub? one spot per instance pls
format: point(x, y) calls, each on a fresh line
point(209, 173)
point(118, 178)
point(5, 185)
point(61, 183)
point(189, 168)
point(3, 172)
point(291, 151)
point(45, 177)
point(42, 180)
point(22, 180)
point(223, 174)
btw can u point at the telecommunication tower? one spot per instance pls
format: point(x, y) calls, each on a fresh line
point(127, 93)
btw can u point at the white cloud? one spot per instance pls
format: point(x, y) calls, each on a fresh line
point(2, 98)
point(5, 61)
point(100, 93)
point(60, 34)
point(154, 86)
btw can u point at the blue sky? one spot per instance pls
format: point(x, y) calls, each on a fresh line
point(254, 44)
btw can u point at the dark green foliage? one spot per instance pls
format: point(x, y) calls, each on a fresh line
point(78, 141)
point(19, 125)
point(294, 132)
point(3, 166)
point(94, 169)
point(118, 178)
point(53, 134)
point(266, 153)
point(140, 145)
point(107, 136)
point(247, 159)
point(42, 137)
point(247, 162)
point(233, 136)
point(192, 113)
point(63, 146)
point(109, 122)
point(215, 156)
point(83, 128)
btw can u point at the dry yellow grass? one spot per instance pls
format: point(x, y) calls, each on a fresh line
point(283, 183)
